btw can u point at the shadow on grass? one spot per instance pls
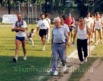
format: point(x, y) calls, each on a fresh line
point(33, 69)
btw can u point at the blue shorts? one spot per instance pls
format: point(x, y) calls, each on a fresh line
point(20, 38)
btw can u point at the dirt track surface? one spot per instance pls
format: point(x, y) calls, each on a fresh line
point(96, 72)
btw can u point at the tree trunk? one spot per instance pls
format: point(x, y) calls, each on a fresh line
point(9, 7)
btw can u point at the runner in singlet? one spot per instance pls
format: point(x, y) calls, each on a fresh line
point(82, 31)
point(98, 27)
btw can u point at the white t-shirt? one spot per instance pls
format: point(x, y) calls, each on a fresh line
point(66, 28)
point(20, 33)
point(49, 21)
point(43, 24)
point(97, 24)
point(88, 22)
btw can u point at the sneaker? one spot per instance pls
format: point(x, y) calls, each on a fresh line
point(50, 70)
point(55, 73)
point(15, 60)
point(24, 58)
point(43, 48)
point(85, 60)
point(64, 69)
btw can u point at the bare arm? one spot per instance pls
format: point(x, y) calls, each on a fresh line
point(102, 22)
point(93, 26)
point(19, 29)
point(88, 31)
point(15, 29)
point(68, 36)
point(67, 42)
point(75, 33)
point(37, 29)
point(22, 29)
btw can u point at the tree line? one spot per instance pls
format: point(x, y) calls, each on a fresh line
point(56, 5)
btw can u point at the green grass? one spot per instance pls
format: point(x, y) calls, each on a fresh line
point(34, 69)
point(98, 51)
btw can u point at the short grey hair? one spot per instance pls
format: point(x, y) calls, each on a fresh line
point(57, 19)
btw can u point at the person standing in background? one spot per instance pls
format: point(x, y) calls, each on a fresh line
point(30, 37)
point(98, 27)
point(70, 21)
point(89, 23)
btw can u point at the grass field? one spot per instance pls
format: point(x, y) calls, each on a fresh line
point(38, 61)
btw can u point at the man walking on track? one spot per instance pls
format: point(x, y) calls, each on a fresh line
point(20, 27)
point(82, 31)
point(59, 36)
point(42, 27)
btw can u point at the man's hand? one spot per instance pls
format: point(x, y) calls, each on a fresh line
point(68, 44)
point(15, 29)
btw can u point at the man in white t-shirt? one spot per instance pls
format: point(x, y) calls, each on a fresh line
point(42, 27)
point(49, 22)
point(89, 23)
point(20, 27)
